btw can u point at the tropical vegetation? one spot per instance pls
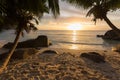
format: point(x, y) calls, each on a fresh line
point(23, 15)
point(99, 10)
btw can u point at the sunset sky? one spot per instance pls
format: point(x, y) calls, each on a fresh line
point(75, 18)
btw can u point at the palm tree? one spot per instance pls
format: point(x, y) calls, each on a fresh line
point(20, 13)
point(99, 9)
point(2, 9)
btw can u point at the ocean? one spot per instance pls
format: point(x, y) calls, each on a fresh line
point(79, 39)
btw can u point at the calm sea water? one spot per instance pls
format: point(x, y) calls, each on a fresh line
point(81, 40)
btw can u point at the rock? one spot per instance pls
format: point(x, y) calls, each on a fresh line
point(95, 57)
point(99, 35)
point(19, 54)
point(111, 35)
point(49, 52)
point(47, 55)
point(40, 41)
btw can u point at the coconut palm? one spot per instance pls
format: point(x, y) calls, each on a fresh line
point(22, 15)
point(2, 9)
point(99, 9)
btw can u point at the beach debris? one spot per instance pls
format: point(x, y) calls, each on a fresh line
point(40, 41)
point(94, 56)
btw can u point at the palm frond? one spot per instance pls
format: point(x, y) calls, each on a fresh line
point(32, 26)
point(54, 7)
point(36, 21)
point(27, 29)
point(81, 3)
point(98, 8)
point(90, 12)
point(21, 12)
point(113, 4)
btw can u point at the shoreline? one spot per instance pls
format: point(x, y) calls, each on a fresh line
point(3, 50)
point(67, 64)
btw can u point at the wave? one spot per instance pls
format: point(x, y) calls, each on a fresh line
point(78, 43)
point(73, 35)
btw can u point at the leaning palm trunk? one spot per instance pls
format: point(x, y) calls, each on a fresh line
point(6, 61)
point(112, 26)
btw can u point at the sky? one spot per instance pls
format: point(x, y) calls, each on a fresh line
point(73, 18)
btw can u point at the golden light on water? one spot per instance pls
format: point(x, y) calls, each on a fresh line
point(75, 26)
point(74, 39)
point(74, 32)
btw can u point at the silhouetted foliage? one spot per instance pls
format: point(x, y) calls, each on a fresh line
point(99, 9)
point(23, 15)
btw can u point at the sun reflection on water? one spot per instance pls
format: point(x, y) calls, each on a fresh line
point(74, 39)
point(74, 32)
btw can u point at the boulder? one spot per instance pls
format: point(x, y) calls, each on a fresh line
point(20, 54)
point(49, 52)
point(40, 41)
point(111, 35)
point(93, 56)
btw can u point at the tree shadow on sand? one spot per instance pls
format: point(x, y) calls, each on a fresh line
point(105, 69)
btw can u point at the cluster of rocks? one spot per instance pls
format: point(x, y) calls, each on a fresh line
point(26, 48)
point(40, 41)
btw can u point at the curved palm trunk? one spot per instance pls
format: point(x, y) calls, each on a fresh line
point(112, 26)
point(11, 51)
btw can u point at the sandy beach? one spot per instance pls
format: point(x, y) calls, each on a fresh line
point(59, 39)
point(66, 65)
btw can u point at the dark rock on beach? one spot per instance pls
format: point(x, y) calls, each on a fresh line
point(49, 52)
point(40, 41)
point(99, 35)
point(19, 54)
point(93, 56)
point(110, 35)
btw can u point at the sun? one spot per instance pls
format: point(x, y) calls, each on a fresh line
point(75, 26)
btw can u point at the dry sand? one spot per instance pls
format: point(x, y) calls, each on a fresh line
point(66, 65)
